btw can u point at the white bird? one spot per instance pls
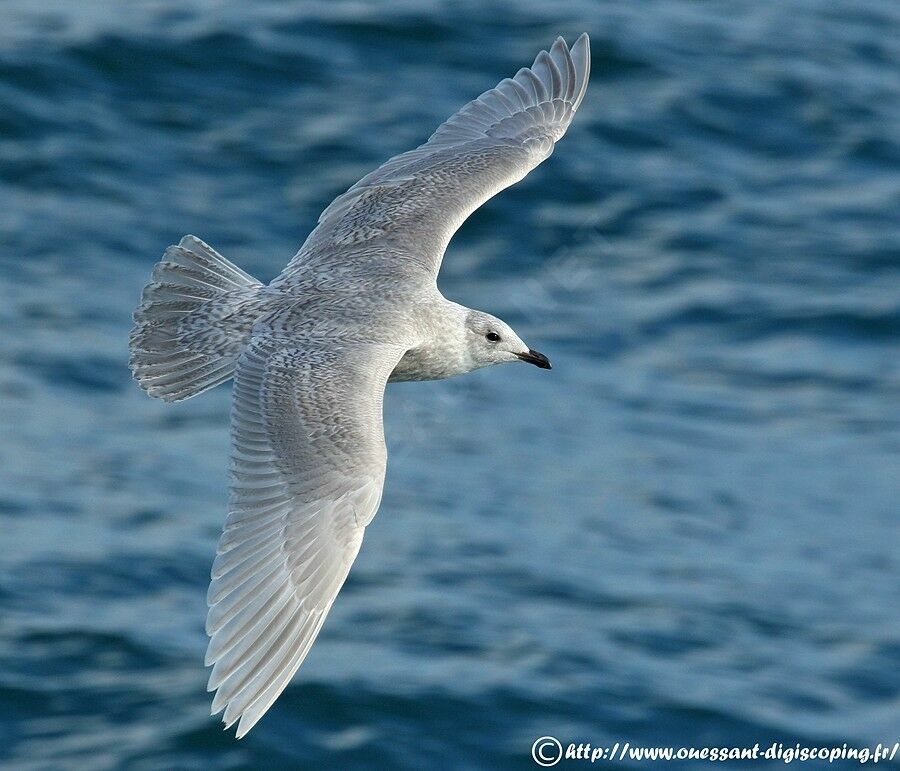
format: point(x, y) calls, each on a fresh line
point(358, 306)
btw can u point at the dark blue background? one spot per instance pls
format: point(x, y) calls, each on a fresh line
point(686, 534)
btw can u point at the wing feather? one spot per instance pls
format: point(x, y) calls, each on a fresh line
point(410, 207)
point(308, 467)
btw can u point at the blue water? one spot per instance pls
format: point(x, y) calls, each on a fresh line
point(685, 534)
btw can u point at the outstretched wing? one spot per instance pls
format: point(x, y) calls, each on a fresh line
point(410, 207)
point(308, 464)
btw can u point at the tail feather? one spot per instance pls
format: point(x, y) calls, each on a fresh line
point(193, 321)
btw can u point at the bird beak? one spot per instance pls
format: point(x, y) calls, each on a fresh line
point(538, 359)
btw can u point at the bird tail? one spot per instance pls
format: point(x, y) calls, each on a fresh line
point(194, 320)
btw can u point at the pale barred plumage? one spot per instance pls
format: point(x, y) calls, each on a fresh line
point(311, 354)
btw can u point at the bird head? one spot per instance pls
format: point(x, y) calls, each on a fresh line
point(490, 340)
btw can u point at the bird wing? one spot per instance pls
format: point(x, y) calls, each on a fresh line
point(308, 464)
point(410, 207)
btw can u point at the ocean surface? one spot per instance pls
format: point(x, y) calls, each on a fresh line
point(686, 534)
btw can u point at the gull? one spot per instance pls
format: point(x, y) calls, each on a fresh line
point(311, 354)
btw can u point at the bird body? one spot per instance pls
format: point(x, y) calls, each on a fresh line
point(311, 353)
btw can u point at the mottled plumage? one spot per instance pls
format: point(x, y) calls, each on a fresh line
point(311, 353)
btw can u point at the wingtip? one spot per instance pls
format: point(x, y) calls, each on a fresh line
point(581, 57)
point(582, 46)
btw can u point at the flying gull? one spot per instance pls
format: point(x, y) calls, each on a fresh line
point(356, 308)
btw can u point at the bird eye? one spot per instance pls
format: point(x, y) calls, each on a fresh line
point(493, 337)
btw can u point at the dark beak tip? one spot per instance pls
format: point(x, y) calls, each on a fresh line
point(538, 359)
